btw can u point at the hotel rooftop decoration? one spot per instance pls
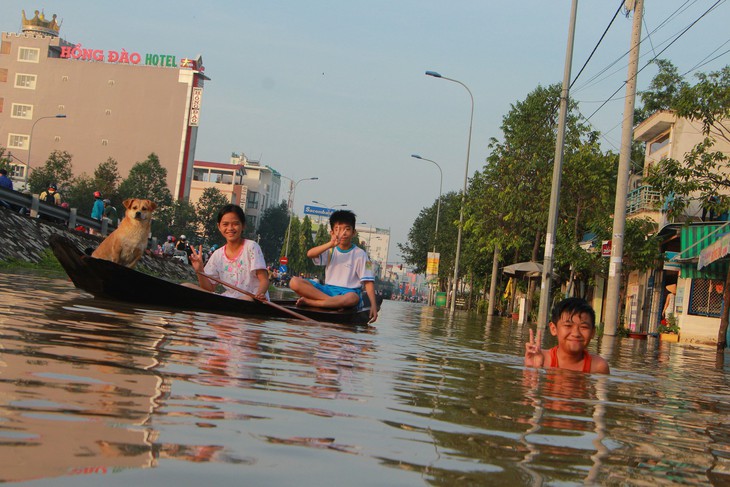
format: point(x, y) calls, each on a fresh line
point(40, 25)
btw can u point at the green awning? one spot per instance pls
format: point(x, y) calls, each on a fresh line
point(694, 239)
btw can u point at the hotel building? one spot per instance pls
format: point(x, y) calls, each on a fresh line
point(97, 102)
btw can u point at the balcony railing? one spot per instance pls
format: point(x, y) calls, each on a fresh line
point(642, 198)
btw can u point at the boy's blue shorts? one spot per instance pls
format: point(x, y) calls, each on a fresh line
point(331, 290)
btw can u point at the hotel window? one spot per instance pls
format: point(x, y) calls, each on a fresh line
point(252, 201)
point(29, 54)
point(22, 111)
point(3, 75)
point(17, 171)
point(5, 47)
point(18, 141)
point(26, 81)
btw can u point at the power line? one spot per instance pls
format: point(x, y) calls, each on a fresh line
point(597, 44)
point(671, 16)
point(660, 52)
point(703, 62)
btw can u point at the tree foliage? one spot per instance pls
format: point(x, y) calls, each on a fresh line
point(272, 229)
point(147, 179)
point(57, 169)
point(205, 219)
point(703, 173)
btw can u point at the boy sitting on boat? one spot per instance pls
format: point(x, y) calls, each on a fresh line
point(573, 322)
point(347, 269)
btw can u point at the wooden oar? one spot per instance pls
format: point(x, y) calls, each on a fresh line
point(252, 295)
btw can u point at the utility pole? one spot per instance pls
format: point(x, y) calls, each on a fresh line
point(493, 282)
point(622, 182)
point(547, 270)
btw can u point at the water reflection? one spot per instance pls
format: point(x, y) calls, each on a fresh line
point(89, 388)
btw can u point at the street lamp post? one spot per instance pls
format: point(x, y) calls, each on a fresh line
point(463, 195)
point(30, 140)
point(433, 288)
point(438, 205)
point(292, 193)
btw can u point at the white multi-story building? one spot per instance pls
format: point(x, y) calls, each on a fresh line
point(263, 185)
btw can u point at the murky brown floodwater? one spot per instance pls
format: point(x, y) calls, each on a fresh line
point(95, 392)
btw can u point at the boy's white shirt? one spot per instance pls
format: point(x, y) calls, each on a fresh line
point(348, 268)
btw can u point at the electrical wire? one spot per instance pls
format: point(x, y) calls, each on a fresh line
point(660, 52)
point(671, 16)
point(703, 62)
point(597, 44)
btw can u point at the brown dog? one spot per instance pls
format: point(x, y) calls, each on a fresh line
point(127, 243)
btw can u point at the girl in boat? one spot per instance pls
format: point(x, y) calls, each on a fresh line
point(239, 262)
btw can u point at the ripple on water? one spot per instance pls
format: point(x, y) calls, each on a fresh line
point(90, 388)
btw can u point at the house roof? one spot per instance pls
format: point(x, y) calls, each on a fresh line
point(656, 124)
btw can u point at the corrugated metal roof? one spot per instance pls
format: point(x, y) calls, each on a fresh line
point(695, 238)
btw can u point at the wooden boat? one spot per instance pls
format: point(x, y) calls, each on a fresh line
point(105, 279)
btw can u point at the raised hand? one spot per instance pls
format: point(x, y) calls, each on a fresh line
point(533, 350)
point(196, 258)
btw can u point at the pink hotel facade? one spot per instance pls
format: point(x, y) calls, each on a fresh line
point(118, 104)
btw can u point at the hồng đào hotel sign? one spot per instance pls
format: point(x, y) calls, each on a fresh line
point(79, 53)
point(716, 250)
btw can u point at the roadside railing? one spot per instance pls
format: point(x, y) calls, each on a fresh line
point(70, 216)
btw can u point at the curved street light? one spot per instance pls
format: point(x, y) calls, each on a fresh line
point(319, 218)
point(463, 194)
point(438, 205)
point(292, 193)
point(30, 140)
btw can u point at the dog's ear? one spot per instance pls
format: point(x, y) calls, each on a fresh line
point(128, 202)
point(153, 206)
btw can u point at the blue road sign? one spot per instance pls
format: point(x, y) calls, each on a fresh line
point(282, 268)
point(317, 210)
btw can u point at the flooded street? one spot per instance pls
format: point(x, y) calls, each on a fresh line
point(95, 392)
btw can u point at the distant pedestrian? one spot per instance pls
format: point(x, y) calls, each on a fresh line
point(51, 195)
point(7, 183)
point(97, 211)
point(110, 212)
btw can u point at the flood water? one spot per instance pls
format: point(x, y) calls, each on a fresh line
point(95, 392)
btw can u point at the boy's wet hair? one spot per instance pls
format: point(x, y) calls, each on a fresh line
point(573, 306)
point(232, 209)
point(343, 216)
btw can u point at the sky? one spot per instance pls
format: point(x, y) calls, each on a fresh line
point(335, 89)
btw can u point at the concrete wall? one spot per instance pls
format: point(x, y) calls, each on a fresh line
point(25, 238)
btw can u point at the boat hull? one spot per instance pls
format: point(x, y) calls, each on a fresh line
point(107, 280)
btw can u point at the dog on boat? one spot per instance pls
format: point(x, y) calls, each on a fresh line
point(126, 244)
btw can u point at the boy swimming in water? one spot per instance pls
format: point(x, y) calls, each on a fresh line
point(573, 322)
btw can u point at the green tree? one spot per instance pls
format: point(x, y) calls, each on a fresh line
point(421, 237)
point(272, 229)
point(206, 212)
point(147, 179)
point(296, 254)
point(106, 179)
point(57, 169)
point(80, 194)
point(176, 219)
point(304, 264)
point(703, 172)
point(5, 160)
point(662, 92)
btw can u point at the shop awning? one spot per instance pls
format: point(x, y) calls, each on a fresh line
point(695, 239)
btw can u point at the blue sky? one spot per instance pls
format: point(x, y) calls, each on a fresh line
point(336, 89)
